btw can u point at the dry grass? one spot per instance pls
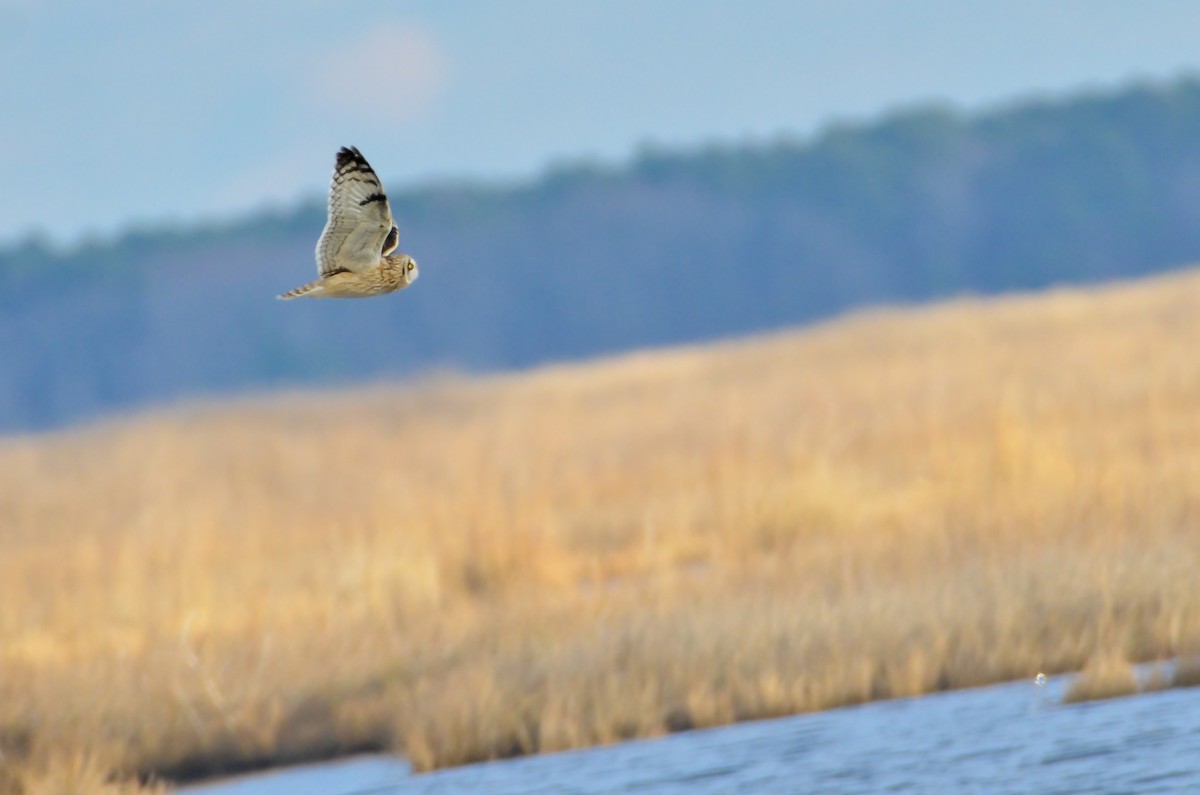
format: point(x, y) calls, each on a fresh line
point(71, 774)
point(887, 505)
point(1106, 675)
point(1187, 673)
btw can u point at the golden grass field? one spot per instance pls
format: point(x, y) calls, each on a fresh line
point(890, 504)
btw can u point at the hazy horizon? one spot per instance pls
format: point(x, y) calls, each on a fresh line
point(236, 118)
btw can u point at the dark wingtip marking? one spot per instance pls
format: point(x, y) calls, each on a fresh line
point(350, 154)
point(374, 197)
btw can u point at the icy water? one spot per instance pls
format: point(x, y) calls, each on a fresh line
point(1012, 738)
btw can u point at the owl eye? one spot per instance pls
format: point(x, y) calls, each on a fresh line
point(410, 266)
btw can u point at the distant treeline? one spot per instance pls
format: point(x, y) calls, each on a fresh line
point(671, 247)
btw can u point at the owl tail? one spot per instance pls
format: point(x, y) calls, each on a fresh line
point(312, 288)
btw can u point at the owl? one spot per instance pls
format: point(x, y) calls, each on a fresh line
point(355, 256)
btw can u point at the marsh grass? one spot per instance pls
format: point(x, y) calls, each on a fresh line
point(890, 504)
point(1111, 675)
point(1106, 675)
point(1187, 673)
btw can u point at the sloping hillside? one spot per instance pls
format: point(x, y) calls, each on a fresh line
point(886, 505)
point(673, 247)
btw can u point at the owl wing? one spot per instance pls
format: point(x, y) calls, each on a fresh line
point(360, 226)
point(391, 241)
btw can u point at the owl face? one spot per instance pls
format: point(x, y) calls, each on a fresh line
point(410, 270)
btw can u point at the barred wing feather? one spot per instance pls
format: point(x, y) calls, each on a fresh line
point(360, 226)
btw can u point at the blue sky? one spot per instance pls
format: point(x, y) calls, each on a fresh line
point(139, 112)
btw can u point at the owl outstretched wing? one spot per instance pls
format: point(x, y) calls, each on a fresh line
point(360, 228)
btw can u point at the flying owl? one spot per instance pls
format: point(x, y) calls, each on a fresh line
point(355, 256)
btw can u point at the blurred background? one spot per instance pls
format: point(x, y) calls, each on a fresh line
point(462, 569)
point(573, 178)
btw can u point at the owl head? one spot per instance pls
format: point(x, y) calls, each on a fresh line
point(408, 269)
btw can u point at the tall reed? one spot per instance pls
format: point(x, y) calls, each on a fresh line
point(890, 504)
